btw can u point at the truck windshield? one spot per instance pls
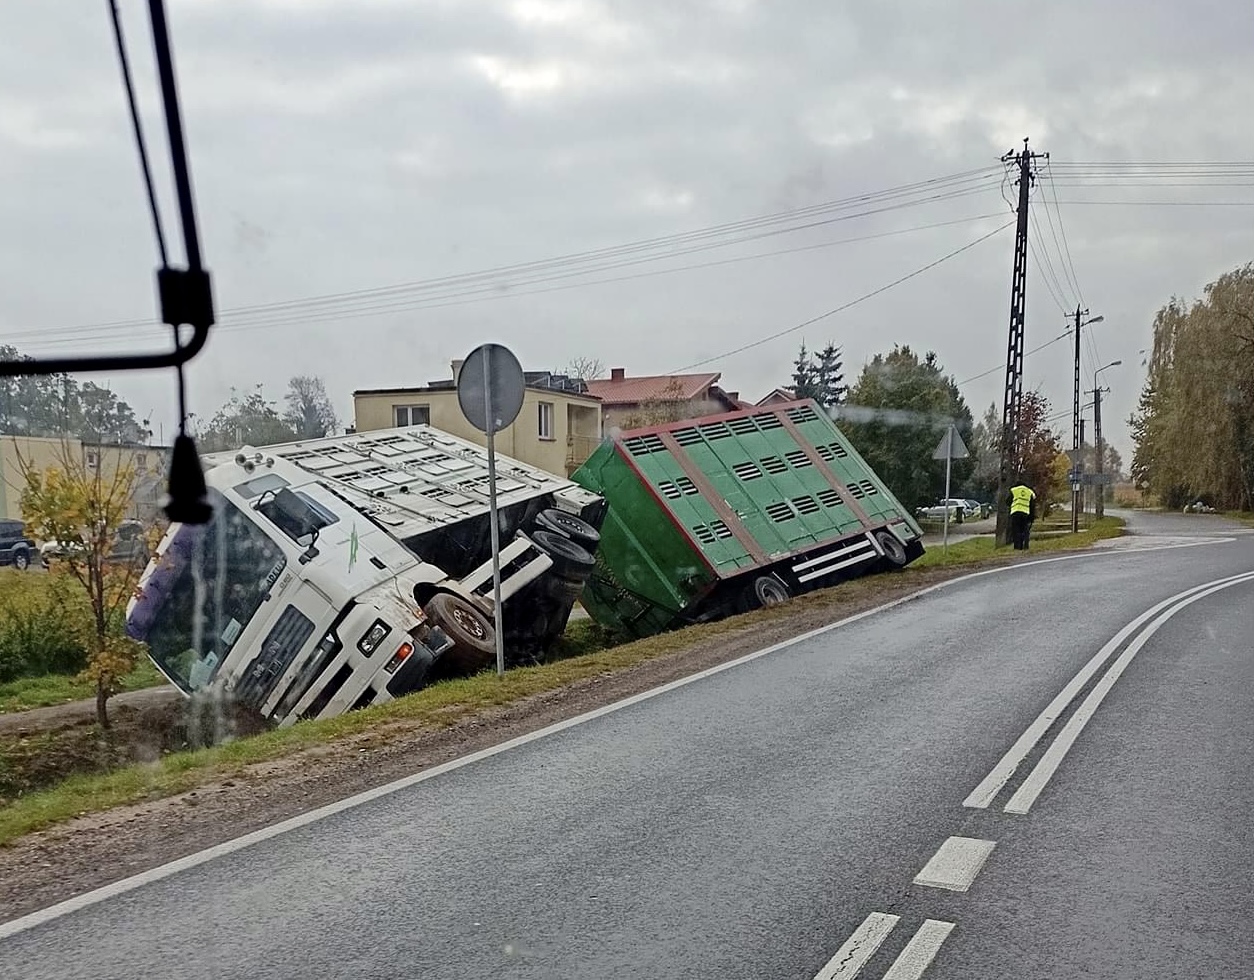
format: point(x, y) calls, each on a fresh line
point(202, 593)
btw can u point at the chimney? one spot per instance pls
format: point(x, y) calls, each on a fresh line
point(618, 374)
point(457, 366)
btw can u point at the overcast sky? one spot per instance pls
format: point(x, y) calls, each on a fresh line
point(348, 145)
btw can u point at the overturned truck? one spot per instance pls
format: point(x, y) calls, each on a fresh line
point(723, 514)
point(346, 571)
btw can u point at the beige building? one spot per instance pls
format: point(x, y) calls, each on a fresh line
point(18, 453)
point(557, 429)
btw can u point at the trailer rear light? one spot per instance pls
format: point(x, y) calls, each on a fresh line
point(399, 657)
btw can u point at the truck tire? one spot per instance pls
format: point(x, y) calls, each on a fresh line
point(894, 550)
point(21, 559)
point(764, 590)
point(570, 558)
point(474, 640)
point(569, 526)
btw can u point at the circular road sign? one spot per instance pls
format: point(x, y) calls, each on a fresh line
point(490, 387)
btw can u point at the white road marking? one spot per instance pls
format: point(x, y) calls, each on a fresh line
point(956, 864)
point(125, 885)
point(858, 948)
point(920, 951)
point(1045, 768)
point(983, 794)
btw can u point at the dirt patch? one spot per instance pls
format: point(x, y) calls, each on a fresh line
point(93, 850)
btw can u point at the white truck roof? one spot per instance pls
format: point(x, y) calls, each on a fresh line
point(411, 480)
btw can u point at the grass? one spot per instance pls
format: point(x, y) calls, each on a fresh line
point(976, 550)
point(449, 702)
point(26, 693)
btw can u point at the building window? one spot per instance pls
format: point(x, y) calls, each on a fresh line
point(93, 460)
point(546, 420)
point(412, 415)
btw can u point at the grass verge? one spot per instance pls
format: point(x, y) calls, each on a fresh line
point(974, 551)
point(51, 689)
point(449, 702)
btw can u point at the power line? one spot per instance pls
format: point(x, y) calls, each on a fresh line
point(846, 306)
point(1045, 269)
point(429, 305)
point(1001, 367)
point(918, 193)
point(1063, 231)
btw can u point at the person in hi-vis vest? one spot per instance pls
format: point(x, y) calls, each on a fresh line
point(1022, 502)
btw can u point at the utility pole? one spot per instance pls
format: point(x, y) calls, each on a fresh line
point(1075, 428)
point(1077, 436)
point(1013, 397)
point(1099, 499)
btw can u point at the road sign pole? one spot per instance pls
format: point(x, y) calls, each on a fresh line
point(489, 415)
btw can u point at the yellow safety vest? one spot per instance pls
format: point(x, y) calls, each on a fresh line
point(1021, 498)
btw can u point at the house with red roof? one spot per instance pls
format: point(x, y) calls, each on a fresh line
point(652, 399)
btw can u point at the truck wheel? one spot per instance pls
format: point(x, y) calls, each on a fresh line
point(894, 550)
point(570, 559)
point(474, 641)
point(765, 590)
point(570, 526)
point(21, 559)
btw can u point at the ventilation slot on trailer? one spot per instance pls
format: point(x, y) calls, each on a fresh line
point(643, 445)
point(687, 437)
point(780, 512)
point(773, 464)
point(805, 505)
point(829, 498)
point(802, 414)
point(747, 470)
point(798, 459)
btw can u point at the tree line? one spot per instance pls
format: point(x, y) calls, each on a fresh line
point(54, 406)
point(1194, 425)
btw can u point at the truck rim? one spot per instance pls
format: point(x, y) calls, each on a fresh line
point(469, 622)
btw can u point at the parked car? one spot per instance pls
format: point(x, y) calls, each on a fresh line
point(959, 511)
point(129, 545)
point(979, 510)
point(16, 548)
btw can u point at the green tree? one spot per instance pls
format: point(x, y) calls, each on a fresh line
point(246, 420)
point(985, 447)
point(898, 410)
point(309, 414)
point(1194, 425)
point(56, 405)
point(820, 376)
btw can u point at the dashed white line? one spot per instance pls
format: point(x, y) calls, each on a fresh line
point(920, 951)
point(984, 794)
point(1048, 764)
point(859, 947)
point(956, 864)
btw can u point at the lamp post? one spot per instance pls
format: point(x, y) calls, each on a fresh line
point(1100, 504)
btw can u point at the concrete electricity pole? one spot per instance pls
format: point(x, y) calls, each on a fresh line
point(1099, 505)
point(1077, 439)
point(1013, 398)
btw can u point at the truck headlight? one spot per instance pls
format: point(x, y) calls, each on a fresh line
point(374, 636)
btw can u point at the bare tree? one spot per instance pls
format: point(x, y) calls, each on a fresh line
point(585, 368)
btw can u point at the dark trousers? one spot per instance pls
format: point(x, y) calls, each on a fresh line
point(1020, 524)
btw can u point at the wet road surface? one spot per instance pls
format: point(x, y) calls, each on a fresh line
point(1018, 775)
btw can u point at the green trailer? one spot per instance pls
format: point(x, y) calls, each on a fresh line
point(711, 516)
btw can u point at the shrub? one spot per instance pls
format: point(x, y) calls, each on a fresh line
point(43, 625)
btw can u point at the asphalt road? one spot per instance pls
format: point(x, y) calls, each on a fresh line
point(769, 820)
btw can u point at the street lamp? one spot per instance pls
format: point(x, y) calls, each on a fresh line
point(1100, 505)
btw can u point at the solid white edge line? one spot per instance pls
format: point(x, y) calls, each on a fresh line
point(955, 864)
point(1048, 764)
point(920, 951)
point(859, 947)
point(984, 794)
point(125, 885)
